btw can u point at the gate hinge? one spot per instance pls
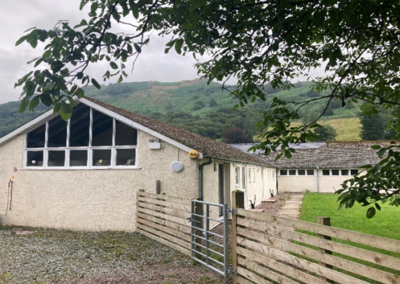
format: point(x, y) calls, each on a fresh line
point(233, 211)
point(232, 271)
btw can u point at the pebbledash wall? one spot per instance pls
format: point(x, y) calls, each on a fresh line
point(89, 199)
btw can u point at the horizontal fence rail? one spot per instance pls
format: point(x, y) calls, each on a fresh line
point(272, 249)
point(165, 219)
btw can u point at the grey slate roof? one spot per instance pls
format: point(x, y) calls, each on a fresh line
point(328, 155)
point(197, 142)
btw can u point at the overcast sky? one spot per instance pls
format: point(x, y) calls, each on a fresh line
point(20, 15)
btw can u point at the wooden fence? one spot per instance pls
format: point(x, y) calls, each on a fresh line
point(164, 219)
point(272, 249)
point(269, 249)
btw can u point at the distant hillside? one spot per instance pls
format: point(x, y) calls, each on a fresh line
point(193, 105)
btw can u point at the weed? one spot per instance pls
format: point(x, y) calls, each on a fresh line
point(166, 260)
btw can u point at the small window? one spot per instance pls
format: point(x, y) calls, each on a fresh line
point(283, 172)
point(254, 175)
point(292, 172)
point(354, 172)
point(78, 158)
point(36, 138)
point(102, 129)
point(310, 172)
point(249, 175)
point(35, 159)
point(125, 135)
point(126, 157)
point(237, 173)
point(325, 172)
point(79, 127)
point(101, 158)
point(56, 159)
point(243, 177)
point(273, 175)
point(57, 136)
point(301, 172)
point(335, 172)
point(345, 172)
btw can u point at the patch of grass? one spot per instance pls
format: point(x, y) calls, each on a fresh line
point(384, 224)
point(347, 129)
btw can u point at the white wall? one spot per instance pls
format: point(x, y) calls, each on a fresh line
point(327, 184)
point(103, 199)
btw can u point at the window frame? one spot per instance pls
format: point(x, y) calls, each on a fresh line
point(67, 149)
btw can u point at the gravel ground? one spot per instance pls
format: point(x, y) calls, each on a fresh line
point(32, 255)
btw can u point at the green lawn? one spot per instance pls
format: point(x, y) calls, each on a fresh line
point(384, 224)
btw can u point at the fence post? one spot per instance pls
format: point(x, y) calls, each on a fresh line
point(237, 202)
point(326, 221)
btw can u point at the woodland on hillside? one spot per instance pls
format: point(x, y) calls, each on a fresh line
point(205, 109)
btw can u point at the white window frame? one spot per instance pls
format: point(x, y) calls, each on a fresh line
point(90, 165)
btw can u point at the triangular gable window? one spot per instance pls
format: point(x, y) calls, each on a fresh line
point(90, 139)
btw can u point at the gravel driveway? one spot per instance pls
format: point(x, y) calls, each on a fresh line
point(52, 256)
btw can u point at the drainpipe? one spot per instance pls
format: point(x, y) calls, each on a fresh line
point(317, 178)
point(201, 168)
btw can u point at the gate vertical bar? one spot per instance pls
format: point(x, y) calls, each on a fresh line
point(226, 241)
point(207, 235)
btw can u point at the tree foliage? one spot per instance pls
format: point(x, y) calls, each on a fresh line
point(257, 42)
point(326, 133)
point(235, 135)
point(375, 124)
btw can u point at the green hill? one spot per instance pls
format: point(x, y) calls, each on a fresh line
point(193, 105)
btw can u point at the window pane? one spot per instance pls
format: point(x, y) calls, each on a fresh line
point(354, 172)
point(35, 138)
point(56, 159)
point(301, 172)
point(101, 158)
point(310, 172)
point(57, 136)
point(126, 157)
point(335, 172)
point(79, 127)
point(78, 158)
point(325, 172)
point(237, 170)
point(292, 172)
point(243, 177)
point(345, 172)
point(35, 159)
point(102, 129)
point(283, 172)
point(125, 135)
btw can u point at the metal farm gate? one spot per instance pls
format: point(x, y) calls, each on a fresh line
point(209, 235)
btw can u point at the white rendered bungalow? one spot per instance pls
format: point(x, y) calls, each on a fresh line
point(83, 174)
point(320, 166)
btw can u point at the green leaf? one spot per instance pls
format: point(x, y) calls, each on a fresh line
point(288, 154)
point(97, 85)
point(24, 104)
point(178, 45)
point(20, 40)
point(137, 47)
point(371, 212)
point(79, 93)
point(34, 102)
point(46, 99)
point(375, 147)
point(113, 65)
point(378, 206)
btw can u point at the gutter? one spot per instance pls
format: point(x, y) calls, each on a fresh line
point(201, 168)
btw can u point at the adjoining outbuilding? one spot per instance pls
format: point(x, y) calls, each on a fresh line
point(320, 166)
point(83, 174)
